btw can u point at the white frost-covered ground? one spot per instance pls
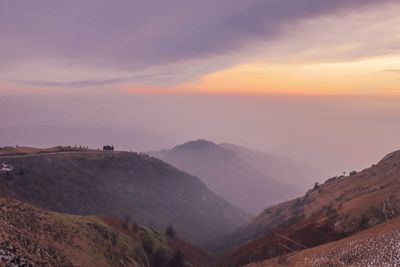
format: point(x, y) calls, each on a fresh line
point(381, 250)
point(5, 168)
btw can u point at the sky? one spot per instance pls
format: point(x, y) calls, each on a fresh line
point(316, 80)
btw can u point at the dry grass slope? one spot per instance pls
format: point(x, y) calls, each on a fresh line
point(377, 246)
point(35, 237)
point(339, 208)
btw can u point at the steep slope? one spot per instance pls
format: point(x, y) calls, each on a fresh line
point(336, 209)
point(120, 184)
point(227, 175)
point(293, 173)
point(377, 246)
point(35, 237)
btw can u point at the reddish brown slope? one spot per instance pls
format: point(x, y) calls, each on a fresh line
point(34, 237)
point(338, 208)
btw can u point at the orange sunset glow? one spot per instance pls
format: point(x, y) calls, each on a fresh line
point(368, 76)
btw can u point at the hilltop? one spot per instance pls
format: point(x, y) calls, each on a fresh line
point(148, 190)
point(338, 208)
point(48, 135)
point(31, 151)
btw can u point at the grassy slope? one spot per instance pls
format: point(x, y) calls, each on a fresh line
point(120, 184)
point(339, 208)
point(21, 150)
point(29, 235)
point(38, 237)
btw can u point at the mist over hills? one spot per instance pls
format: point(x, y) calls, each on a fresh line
point(49, 135)
point(285, 170)
point(294, 126)
point(120, 184)
point(248, 179)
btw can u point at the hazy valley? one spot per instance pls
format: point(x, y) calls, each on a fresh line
point(109, 202)
point(248, 179)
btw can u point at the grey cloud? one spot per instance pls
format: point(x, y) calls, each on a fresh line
point(392, 70)
point(92, 83)
point(136, 34)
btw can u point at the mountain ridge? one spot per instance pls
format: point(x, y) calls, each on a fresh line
point(229, 172)
point(196, 144)
point(297, 174)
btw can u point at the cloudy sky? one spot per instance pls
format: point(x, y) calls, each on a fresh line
point(252, 46)
point(275, 67)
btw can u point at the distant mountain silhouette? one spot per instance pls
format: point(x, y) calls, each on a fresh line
point(296, 174)
point(200, 144)
point(237, 174)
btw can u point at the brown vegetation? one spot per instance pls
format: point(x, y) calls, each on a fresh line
point(336, 209)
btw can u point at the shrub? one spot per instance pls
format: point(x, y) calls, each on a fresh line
point(108, 148)
point(135, 228)
point(177, 260)
point(126, 222)
point(316, 186)
point(114, 239)
point(170, 231)
point(21, 172)
point(160, 258)
point(148, 245)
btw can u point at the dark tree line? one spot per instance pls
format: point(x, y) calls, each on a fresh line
point(108, 148)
